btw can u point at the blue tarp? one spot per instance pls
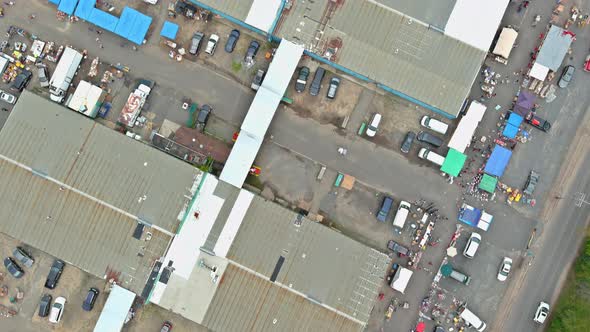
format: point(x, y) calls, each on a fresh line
point(103, 19)
point(169, 30)
point(85, 8)
point(469, 215)
point(515, 119)
point(498, 161)
point(133, 25)
point(55, 2)
point(67, 6)
point(510, 131)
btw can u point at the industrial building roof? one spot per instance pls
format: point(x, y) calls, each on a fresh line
point(256, 304)
point(107, 166)
point(433, 12)
point(236, 9)
point(388, 47)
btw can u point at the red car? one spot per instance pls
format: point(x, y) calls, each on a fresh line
point(167, 327)
point(587, 63)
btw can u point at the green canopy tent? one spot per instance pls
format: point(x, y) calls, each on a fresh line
point(454, 162)
point(488, 183)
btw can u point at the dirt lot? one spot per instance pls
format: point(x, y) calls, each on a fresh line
point(73, 285)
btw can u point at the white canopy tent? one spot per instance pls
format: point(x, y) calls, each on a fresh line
point(462, 136)
point(539, 71)
point(505, 42)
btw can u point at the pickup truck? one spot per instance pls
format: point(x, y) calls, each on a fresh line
point(398, 248)
point(538, 122)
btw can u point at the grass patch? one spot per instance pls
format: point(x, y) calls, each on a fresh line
point(236, 66)
point(572, 312)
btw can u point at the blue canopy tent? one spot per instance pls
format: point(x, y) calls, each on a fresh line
point(498, 161)
point(515, 119)
point(55, 2)
point(169, 30)
point(511, 129)
point(103, 19)
point(133, 25)
point(84, 9)
point(67, 6)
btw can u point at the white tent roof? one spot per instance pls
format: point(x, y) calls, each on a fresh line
point(115, 310)
point(85, 98)
point(263, 13)
point(466, 128)
point(401, 279)
point(505, 42)
point(241, 159)
point(475, 22)
point(539, 71)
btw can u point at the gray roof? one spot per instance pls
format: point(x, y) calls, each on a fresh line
point(245, 302)
point(320, 263)
point(434, 12)
point(389, 48)
point(100, 162)
point(236, 9)
point(554, 48)
point(75, 228)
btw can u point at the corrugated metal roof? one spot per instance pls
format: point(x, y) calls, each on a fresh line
point(435, 12)
point(390, 48)
point(98, 161)
point(245, 302)
point(319, 262)
point(236, 9)
point(74, 228)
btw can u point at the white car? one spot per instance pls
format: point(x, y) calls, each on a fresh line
point(373, 125)
point(542, 313)
point(57, 310)
point(472, 245)
point(212, 44)
point(7, 97)
point(505, 269)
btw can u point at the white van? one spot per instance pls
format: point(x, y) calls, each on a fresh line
point(401, 215)
point(472, 245)
point(471, 319)
point(434, 124)
point(434, 157)
point(372, 128)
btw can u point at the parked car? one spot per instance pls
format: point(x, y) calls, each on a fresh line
point(434, 124)
point(252, 50)
point(460, 277)
point(505, 269)
point(232, 40)
point(13, 268)
point(7, 97)
point(541, 313)
point(203, 115)
point(21, 80)
point(90, 299)
point(408, 140)
point(196, 43)
point(430, 139)
point(566, 76)
point(166, 327)
point(384, 209)
point(257, 81)
point(333, 88)
point(212, 44)
point(439, 328)
point(57, 310)
point(373, 125)
point(23, 256)
point(43, 76)
point(302, 79)
point(44, 305)
point(316, 83)
point(472, 245)
point(587, 63)
point(54, 274)
point(531, 182)
point(431, 156)
point(398, 248)
point(537, 122)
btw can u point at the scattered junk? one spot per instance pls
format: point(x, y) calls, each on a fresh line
point(213, 269)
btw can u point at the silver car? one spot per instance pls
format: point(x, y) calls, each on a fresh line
point(7, 97)
point(196, 43)
point(23, 256)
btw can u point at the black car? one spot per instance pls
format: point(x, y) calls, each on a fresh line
point(408, 140)
point(537, 122)
point(316, 84)
point(196, 43)
point(333, 88)
point(21, 80)
point(45, 305)
point(204, 114)
point(23, 256)
point(252, 50)
point(91, 297)
point(13, 268)
point(439, 328)
point(429, 138)
point(232, 40)
point(54, 273)
point(302, 79)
